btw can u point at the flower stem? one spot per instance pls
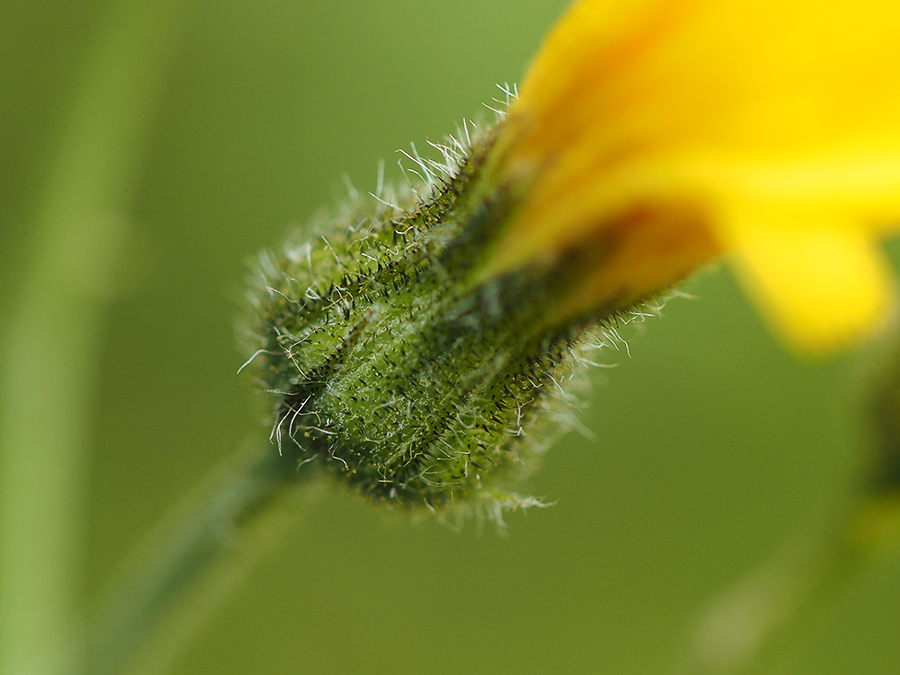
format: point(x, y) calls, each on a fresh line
point(186, 568)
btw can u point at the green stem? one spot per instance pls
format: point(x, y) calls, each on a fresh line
point(188, 567)
point(48, 354)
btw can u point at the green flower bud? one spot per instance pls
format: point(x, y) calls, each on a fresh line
point(397, 366)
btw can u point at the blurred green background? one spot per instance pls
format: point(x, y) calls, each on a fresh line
point(713, 445)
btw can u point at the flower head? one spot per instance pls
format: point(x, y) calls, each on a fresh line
point(668, 132)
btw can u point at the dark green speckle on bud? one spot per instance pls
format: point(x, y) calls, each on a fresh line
point(394, 368)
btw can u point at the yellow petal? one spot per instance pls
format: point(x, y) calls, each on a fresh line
point(784, 109)
point(823, 285)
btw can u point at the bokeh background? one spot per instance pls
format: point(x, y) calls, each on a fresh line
point(712, 447)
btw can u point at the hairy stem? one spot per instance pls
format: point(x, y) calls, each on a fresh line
point(187, 568)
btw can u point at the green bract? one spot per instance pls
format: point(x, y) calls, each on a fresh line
point(396, 371)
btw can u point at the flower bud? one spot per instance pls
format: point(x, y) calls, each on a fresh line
point(398, 367)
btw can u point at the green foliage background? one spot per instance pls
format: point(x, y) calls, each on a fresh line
point(713, 445)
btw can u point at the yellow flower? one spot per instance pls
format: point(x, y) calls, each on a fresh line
point(675, 131)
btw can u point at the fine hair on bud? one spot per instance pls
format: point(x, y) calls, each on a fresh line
point(395, 367)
